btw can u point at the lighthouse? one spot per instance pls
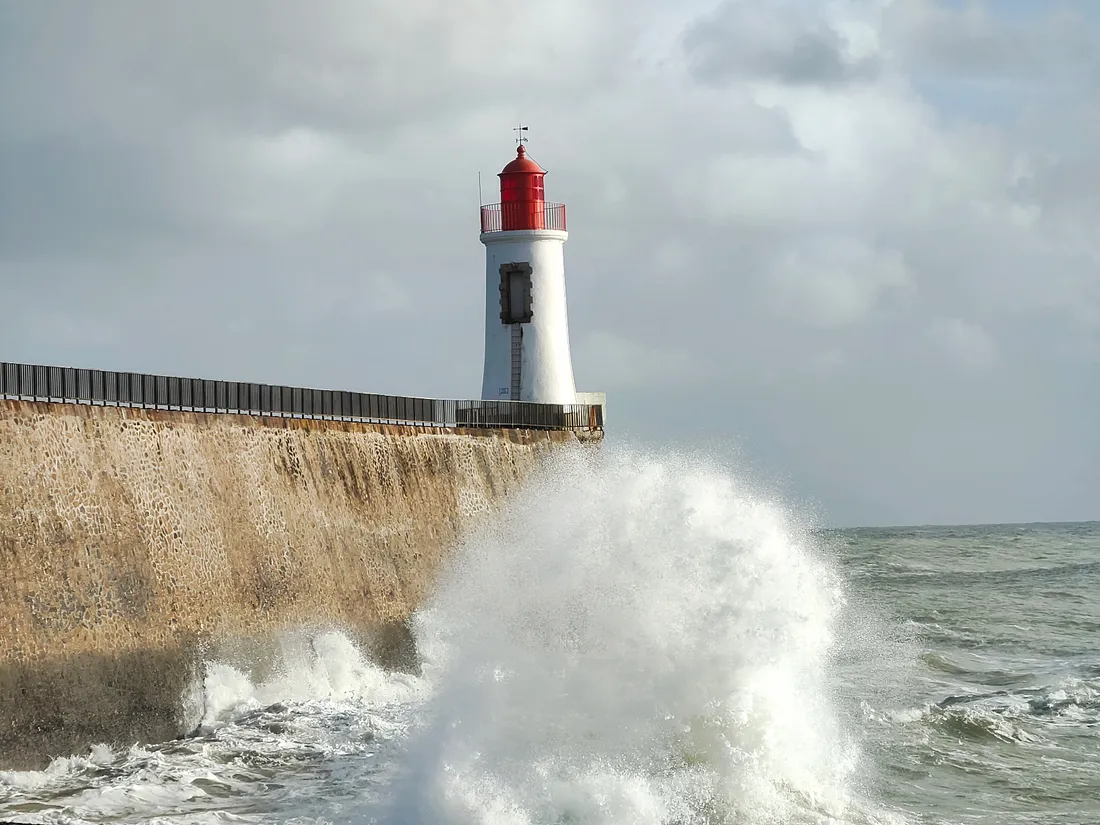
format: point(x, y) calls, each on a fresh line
point(526, 325)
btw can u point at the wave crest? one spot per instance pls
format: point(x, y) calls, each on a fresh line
point(635, 639)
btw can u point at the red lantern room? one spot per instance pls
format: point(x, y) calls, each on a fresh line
point(522, 199)
point(522, 193)
point(522, 180)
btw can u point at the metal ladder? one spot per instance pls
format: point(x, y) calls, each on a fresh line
point(517, 361)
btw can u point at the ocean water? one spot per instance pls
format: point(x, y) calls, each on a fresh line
point(641, 639)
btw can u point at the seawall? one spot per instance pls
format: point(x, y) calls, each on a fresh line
point(133, 542)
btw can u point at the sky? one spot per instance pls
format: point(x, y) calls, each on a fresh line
point(850, 246)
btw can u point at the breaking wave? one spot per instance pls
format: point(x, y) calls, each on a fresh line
point(636, 639)
point(1022, 715)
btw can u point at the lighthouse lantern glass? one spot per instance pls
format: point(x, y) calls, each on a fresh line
point(521, 186)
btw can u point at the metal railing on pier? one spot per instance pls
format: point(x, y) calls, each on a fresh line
point(71, 385)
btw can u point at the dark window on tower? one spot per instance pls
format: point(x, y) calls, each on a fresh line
point(515, 293)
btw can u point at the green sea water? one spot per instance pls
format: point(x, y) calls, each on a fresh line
point(986, 709)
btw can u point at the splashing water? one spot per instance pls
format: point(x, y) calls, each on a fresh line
point(634, 640)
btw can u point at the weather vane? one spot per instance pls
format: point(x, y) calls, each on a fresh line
point(520, 138)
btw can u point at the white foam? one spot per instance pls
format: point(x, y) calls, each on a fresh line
point(340, 704)
point(635, 639)
point(327, 667)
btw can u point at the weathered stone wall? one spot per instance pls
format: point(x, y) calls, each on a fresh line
point(130, 540)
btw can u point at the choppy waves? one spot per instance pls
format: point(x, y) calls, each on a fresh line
point(281, 750)
point(1000, 723)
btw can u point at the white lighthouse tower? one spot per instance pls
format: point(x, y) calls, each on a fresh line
point(526, 327)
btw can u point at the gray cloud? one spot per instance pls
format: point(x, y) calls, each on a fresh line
point(778, 41)
point(987, 40)
point(863, 288)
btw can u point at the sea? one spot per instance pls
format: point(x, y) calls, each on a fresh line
point(645, 637)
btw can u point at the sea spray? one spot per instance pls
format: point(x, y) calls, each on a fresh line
point(311, 666)
point(635, 639)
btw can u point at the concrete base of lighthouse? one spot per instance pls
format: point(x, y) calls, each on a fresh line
point(527, 355)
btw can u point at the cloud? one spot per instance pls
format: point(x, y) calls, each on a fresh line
point(807, 220)
point(637, 363)
point(979, 40)
point(780, 41)
point(966, 344)
point(835, 281)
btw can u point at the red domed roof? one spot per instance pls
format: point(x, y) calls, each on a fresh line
point(523, 164)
